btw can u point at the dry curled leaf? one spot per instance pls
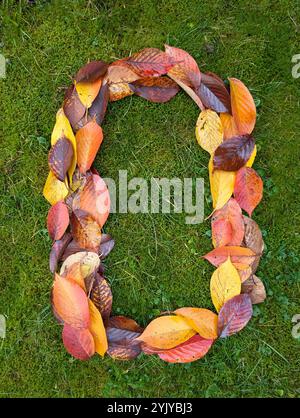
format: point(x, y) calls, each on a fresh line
point(78, 342)
point(234, 315)
point(243, 107)
point(253, 239)
point(248, 189)
point(234, 153)
point(89, 262)
point(204, 321)
point(167, 332)
point(255, 288)
point(155, 89)
point(224, 284)
point(213, 93)
point(70, 302)
point(209, 131)
point(227, 225)
point(57, 220)
point(88, 139)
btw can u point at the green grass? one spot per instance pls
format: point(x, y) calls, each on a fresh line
point(156, 263)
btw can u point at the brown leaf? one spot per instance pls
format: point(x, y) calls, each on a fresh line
point(253, 239)
point(98, 109)
point(213, 93)
point(60, 158)
point(91, 72)
point(57, 250)
point(85, 230)
point(57, 220)
point(73, 108)
point(233, 154)
point(101, 295)
point(155, 89)
point(255, 288)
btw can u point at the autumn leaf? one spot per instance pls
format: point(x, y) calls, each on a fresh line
point(149, 62)
point(191, 350)
point(94, 199)
point(185, 72)
point(74, 273)
point(85, 230)
point(213, 93)
point(167, 332)
point(91, 72)
point(229, 127)
point(57, 251)
point(250, 162)
point(224, 284)
point(70, 302)
point(118, 78)
point(155, 89)
point(201, 320)
point(60, 158)
point(88, 91)
point(255, 288)
point(234, 315)
point(78, 342)
point(89, 263)
point(98, 109)
point(102, 297)
point(122, 333)
point(88, 139)
point(253, 239)
point(72, 106)
point(248, 189)
point(106, 245)
point(209, 131)
point(54, 189)
point(234, 153)
point(57, 220)
point(243, 107)
point(237, 254)
point(227, 225)
point(221, 185)
point(97, 330)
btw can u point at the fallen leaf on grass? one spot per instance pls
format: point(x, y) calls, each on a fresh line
point(243, 107)
point(221, 185)
point(78, 342)
point(209, 131)
point(213, 93)
point(54, 189)
point(97, 330)
point(248, 189)
point(155, 89)
point(102, 297)
point(88, 140)
point(234, 153)
point(255, 288)
point(57, 220)
point(234, 315)
point(201, 320)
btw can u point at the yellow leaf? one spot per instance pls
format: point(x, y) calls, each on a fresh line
point(221, 185)
point(250, 162)
point(167, 332)
point(225, 283)
point(63, 128)
point(54, 189)
point(204, 321)
point(209, 130)
point(88, 91)
point(97, 330)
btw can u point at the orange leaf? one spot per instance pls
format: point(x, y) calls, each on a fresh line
point(85, 230)
point(70, 302)
point(243, 107)
point(74, 273)
point(78, 342)
point(237, 254)
point(167, 332)
point(229, 127)
point(248, 189)
point(88, 139)
point(57, 220)
point(97, 329)
point(204, 321)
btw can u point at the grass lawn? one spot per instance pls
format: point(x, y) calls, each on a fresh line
point(156, 263)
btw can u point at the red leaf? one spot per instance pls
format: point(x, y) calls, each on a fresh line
point(57, 251)
point(88, 140)
point(227, 225)
point(191, 350)
point(213, 93)
point(73, 108)
point(94, 199)
point(234, 315)
point(237, 254)
point(70, 302)
point(78, 342)
point(155, 89)
point(60, 158)
point(91, 72)
point(248, 189)
point(233, 153)
point(149, 62)
point(98, 109)
point(57, 220)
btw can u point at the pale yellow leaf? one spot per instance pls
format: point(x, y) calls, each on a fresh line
point(225, 283)
point(209, 130)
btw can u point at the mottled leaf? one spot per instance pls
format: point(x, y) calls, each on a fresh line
point(255, 288)
point(213, 93)
point(102, 297)
point(155, 89)
point(85, 230)
point(248, 189)
point(78, 342)
point(234, 153)
point(89, 262)
point(234, 315)
point(60, 158)
point(253, 239)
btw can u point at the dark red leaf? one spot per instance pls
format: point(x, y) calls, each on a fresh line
point(106, 245)
point(73, 108)
point(57, 220)
point(155, 89)
point(234, 315)
point(60, 158)
point(213, 93)
point(233, 154)
point(91, 72)
point(57, 251)
point(101, 295)
point(98, 109)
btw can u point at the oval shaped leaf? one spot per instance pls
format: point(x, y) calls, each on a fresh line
point(85, 230)
point(155, 89)
point(224, 284)
point(209, 131)
point(88, 139)
point(88, 91)
point(191, 350)
point(248, 189)
point(57, 220)
point(221, 185)
point(237, 254)
point(229, 127)
point(73, 108)
point(78, 342)
point(91, 71)
point(255, 288)
point(253, 239)
point(213, 93)
point(89, 262)
point(234, 153)
point(102, 297)
point(98, 109)
point(204, 321)
point(57, 251)
point(234, 315)
point(243, 106)
point(54, 189)
point(97, 330)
